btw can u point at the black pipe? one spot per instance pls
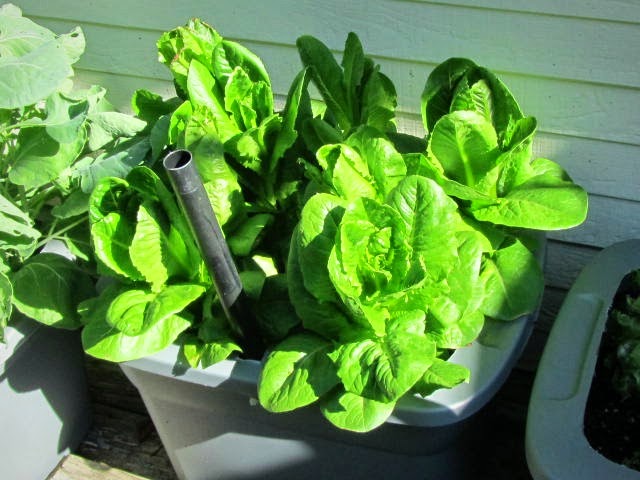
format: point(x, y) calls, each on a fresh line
point(195, 204)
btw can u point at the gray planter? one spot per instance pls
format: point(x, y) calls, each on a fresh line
point(44, 400)
point(213, 427)
point(556, 447)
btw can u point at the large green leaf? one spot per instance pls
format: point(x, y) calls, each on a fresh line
point(244, 239)
point(545, 201)
point(323, 318)
point(126, 311)
point(430, 218)
point(292, 109)
point(379, 101)
point(513, 282)
point(203, 90)
point(386, 167)
point(466, 146)
point(16, 230)
point(219, 180)
point(137, 310)
point(111, 238)
point(178, 47)
point(239, 56)
point(101, 340)
point(150, 107)
point(346, 171)
point(19, 35)
point(442, 374)
point(33, 63)
point(297, 372)
point(439, 89)
point(355, 413)
point(319, 223)
point(107, 126)
point(48, 289)
point(204, 354)
point(147, 247)
point(113, 163)
point(327, 76)
point(39, 159)
point(385, 368)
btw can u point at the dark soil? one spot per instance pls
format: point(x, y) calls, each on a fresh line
point(612, 423)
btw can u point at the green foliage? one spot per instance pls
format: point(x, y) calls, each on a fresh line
point(355, 92)
point(54, 144)
point(245, 153)
point(368, 256)
point(480, 152)
point(624, 330)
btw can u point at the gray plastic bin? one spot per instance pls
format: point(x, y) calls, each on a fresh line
point(556, 446)
point(212, 426)
point(44, 399)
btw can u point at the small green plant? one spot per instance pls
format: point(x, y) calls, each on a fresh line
point(624, 331)
point(54, 144)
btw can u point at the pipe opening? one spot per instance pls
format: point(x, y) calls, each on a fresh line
point(177, 159)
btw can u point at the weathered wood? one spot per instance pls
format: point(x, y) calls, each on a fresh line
point(74, 467)
point(122, 434)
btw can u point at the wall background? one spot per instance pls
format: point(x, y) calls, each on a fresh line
point(575, 65)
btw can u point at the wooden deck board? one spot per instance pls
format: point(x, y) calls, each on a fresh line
point(74, 467)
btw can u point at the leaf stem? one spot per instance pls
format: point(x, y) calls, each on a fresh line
point(65, 229)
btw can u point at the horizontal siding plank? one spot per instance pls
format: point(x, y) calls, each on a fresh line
point(609, 220)
point(605, 169)
point(612, 10)
point(542, 45)
point(565, 108)
point(564, 262)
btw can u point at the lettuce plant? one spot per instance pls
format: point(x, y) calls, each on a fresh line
point(245, 153)
point(624, 331)
point(409, 245)
point(368, 256)
point(54, 143)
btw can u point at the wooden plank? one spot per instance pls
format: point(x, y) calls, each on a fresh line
point(603, 168)
point(609, 220)
point(541, 45)
point(564, 262)
point(587, 111)
point(612, 10)
point(74, 467)
point(120, 88)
